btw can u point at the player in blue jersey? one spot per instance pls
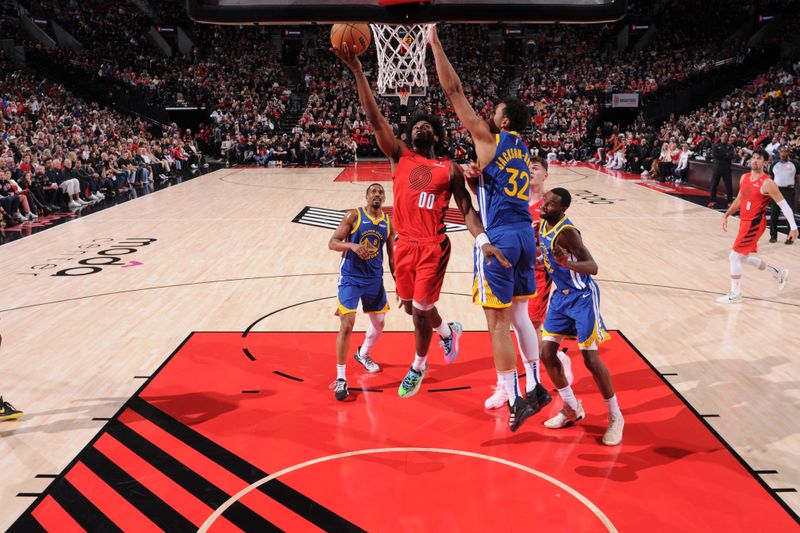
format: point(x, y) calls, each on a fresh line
point(503, 195)
point(361, 237)
point(574, 312)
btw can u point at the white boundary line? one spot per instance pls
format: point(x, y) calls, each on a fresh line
point(577, 495)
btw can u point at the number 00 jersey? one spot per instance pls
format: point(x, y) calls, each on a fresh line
point(421, 196)
point(504, 186)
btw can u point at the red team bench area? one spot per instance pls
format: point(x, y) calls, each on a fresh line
point(227, 410)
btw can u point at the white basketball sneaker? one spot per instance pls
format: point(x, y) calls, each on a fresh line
point(566, 417)
point(613, 435)
point(498, 399)
point(730, 298)
point(782, 277)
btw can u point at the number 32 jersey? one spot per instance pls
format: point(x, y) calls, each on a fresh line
point(422, 192)
point(504, 186)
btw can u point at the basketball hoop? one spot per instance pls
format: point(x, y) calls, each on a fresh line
point(404, 94)
point(401, 59)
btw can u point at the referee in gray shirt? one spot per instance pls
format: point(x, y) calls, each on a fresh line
point(783, 172)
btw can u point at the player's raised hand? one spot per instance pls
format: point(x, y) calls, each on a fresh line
point(490, 251)
point(433, 36)
point(348, 56)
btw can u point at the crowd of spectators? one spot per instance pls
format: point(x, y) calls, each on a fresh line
point(263, 113)
point(764, 113)
point(59, 152)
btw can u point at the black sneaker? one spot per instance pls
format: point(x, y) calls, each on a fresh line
point(7, 411)
point(518, 413)
point(340, 389)
point(538, 398)
point(773, 239)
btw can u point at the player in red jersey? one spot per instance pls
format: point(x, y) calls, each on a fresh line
point(422, 186)
point(537, 304)
point(755, 190)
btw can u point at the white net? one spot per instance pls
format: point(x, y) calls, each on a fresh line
point(401, 58)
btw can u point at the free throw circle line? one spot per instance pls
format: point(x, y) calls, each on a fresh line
point(577, 495)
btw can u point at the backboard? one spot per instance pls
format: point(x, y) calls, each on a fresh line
point(404, 11)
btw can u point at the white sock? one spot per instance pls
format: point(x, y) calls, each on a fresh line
point(773, 269)
point(569, 397)
point(340, 372)
point(736, 286)
point(419, 362)
point(613, 407)
point(373, 332)
point(527, 341)
point(531, 375)
point(510, 384)
point(444, 330)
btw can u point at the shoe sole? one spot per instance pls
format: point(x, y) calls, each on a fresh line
point(15, 416)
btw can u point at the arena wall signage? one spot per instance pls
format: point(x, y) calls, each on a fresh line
point(625, 100)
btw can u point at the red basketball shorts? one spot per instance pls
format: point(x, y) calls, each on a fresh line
point(749, 232)
point(537, 304)
point(419, 266)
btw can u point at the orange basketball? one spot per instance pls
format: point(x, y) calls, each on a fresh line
point(356, 36)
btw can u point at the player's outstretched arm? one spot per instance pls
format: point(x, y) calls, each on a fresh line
point(388, 143)
point(473, 221)
point(471, 173)
point(338, 241)
point(482, 136)
point(771, 188)
point(569, 243)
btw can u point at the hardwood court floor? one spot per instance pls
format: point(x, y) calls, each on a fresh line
point(221, 252)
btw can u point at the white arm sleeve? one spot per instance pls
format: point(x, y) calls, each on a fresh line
point(787, 212)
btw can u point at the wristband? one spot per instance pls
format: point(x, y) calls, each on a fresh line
point(482, 239)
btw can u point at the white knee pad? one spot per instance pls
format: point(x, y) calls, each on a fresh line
point(736, 263)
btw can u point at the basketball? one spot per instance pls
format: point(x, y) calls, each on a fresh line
point(356, 36)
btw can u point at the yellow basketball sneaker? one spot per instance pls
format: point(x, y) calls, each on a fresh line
point(7, 411)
